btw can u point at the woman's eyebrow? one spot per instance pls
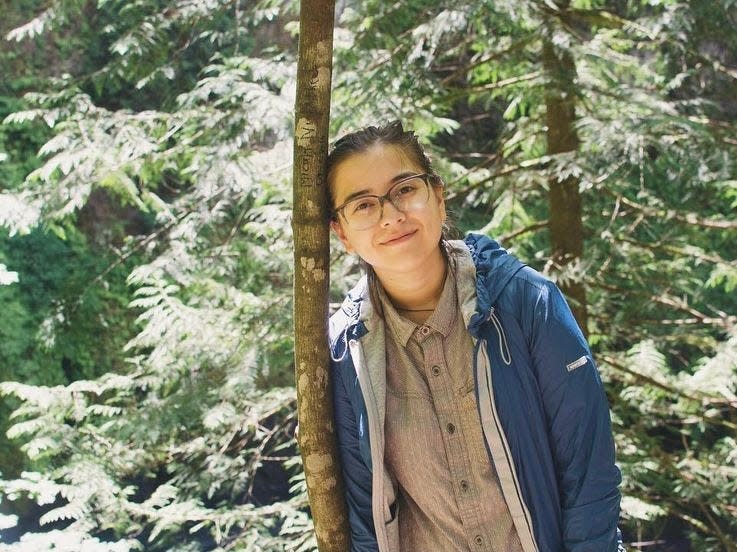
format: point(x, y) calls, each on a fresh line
point(397, 178)
point(402, 175)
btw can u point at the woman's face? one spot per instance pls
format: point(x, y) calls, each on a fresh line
point(398, 242)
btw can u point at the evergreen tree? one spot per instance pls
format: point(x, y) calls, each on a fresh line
point(183, 111)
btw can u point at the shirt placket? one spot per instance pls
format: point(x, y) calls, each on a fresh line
point(442, 390)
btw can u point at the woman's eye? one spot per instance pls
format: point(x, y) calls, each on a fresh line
point(362, 206)
point(407, 188)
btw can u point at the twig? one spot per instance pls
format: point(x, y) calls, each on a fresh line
point(491, 57)
point(688, 218)
point(536, 163)
point(525, 230)
point(703, 400)
point(505, 82)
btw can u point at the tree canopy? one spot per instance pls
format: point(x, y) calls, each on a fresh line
point(146, 243)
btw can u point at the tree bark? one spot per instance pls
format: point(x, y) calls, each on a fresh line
point(564, 198)
point(316, 436)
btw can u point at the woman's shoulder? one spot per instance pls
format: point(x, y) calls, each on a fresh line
point(503, 276)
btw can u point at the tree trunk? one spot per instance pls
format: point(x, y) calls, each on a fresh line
point(316, 436)
point(564, 197)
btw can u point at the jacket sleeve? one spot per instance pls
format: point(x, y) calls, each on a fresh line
point(356, 475)
point(579, 426)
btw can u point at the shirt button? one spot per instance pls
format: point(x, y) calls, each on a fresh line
point(451, 428)
point(478, 540)
point(435, 370)
point(464, 485)
point(424, 330)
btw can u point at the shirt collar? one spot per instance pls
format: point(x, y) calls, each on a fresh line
point(441, 320)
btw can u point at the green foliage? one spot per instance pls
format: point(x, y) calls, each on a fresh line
point(173, 428)
point(101, 462)
point(185, 443)
point(18, 146)
point(57, 315)
point(62, 324)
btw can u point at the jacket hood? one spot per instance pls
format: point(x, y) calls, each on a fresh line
point(494, 270)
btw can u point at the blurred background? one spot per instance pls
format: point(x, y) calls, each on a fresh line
point(146, 257)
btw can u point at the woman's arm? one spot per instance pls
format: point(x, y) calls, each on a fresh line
point(356, 475)
point(579, 426)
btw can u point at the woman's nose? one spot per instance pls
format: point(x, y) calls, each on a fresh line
point(390, 214)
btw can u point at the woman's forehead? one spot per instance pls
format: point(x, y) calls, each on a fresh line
point(372, 169)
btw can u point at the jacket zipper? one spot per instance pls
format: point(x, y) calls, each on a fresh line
point(527, 538)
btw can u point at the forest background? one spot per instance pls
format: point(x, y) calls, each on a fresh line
point(146, 256)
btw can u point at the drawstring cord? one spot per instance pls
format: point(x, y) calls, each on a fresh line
point(503, 345)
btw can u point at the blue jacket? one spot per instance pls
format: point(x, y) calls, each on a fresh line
point(541, 405)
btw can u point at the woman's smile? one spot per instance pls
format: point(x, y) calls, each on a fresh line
point(401, 237)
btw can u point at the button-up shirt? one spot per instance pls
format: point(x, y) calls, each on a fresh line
point(449, 493)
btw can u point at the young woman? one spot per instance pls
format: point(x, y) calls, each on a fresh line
point(469, 412)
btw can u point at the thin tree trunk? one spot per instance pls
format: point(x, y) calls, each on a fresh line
point(564, 198)
point(316, 437)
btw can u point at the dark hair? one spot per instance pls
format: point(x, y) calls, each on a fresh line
point(391, 134)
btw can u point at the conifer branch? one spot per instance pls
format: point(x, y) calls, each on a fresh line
point(672, 214)
point(514, 47)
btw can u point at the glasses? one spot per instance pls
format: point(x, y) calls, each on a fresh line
point(409, 194)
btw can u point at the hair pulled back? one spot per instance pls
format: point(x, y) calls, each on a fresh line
point(392, 134)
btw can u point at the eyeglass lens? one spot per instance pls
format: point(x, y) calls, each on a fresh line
point(406, 195)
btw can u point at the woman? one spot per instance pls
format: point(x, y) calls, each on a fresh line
point(469, 412)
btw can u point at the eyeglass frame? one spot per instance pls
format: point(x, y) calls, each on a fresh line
point(427, 178)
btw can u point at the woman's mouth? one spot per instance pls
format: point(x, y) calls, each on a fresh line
point(400, 238)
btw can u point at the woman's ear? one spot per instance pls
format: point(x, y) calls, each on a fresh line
point(336, 227)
